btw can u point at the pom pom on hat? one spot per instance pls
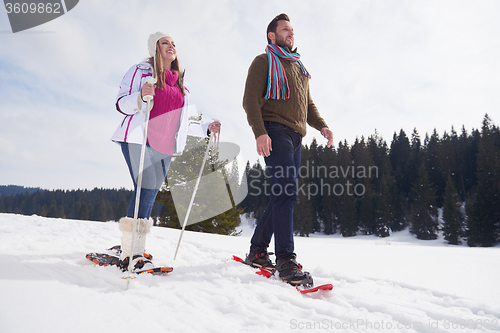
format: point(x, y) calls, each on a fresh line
point(153, 38)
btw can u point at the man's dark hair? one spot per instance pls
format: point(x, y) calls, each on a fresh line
point(274, 23)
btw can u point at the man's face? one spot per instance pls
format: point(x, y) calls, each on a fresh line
point(284, 34)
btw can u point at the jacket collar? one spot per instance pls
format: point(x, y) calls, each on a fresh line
point(287, 49)
point(144, 65)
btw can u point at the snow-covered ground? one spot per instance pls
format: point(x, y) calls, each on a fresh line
point(396, 284)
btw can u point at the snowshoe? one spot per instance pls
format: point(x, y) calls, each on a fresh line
point(290, 271)
point(260, 259)
point(142, 263)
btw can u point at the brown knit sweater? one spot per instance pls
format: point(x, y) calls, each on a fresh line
point(294, 112)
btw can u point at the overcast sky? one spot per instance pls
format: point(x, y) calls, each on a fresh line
point(376, 65)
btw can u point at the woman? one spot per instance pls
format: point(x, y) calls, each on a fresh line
point(169, 125)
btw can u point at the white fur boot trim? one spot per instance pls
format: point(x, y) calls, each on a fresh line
point(143, 228)
point(143, 225)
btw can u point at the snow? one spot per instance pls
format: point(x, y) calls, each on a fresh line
point(395, 284)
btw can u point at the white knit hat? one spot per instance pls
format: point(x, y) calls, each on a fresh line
point(153, 38)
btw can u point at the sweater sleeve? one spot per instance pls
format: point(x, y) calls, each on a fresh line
point(314, 119)
point(253, 98)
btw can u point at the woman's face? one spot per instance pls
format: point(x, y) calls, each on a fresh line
point(167, 49)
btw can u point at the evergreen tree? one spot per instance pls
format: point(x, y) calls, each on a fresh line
point(303, 214)
point(99, 213)
point(347, 216)
point(389, 196)
point(42, 212)
point(383, 210)
point(399, 156)
point(83, 212)
point(452, 218)
point(212, 194)
point(346, 202)
point(448, 155)
point(121, 210)
point(247, 202)
point(311, 158)
point(424, 223)
point(380, 155)
point(61, 212)
point(183, 169)
point(53, 212)
point(258, 190)
point(223, 224)
point(483, 214)
point(466, 152)
point(110, 215)
point(327, 213)
point(416, 157)
point(169, 217)
point(433, 152)
point(363, 164)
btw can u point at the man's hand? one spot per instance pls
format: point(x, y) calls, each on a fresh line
point(325, 131)
point(264, 145)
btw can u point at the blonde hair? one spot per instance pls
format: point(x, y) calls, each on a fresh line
point(157, 63)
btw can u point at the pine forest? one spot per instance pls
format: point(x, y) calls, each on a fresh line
point(447, 183)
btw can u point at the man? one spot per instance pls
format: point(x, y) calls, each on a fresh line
point(278, 106)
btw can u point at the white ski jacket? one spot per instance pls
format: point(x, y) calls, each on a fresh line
point(131, 105)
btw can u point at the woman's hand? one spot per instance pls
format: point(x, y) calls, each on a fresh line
point(214, 127)
point(147, 89)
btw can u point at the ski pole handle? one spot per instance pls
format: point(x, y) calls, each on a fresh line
point(152, 81)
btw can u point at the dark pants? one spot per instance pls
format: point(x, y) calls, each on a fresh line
point(282, 164)
point(155, 170)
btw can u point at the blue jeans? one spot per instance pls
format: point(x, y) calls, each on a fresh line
point(155, 170)
point(282, 164)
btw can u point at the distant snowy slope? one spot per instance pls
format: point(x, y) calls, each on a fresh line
point(395, 284)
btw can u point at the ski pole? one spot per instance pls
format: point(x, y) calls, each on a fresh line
point(148, 99)
point(194, 194)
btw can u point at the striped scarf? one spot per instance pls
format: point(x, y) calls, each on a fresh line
point(276, 77)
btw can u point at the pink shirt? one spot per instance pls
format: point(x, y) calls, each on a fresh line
point(165, 115)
